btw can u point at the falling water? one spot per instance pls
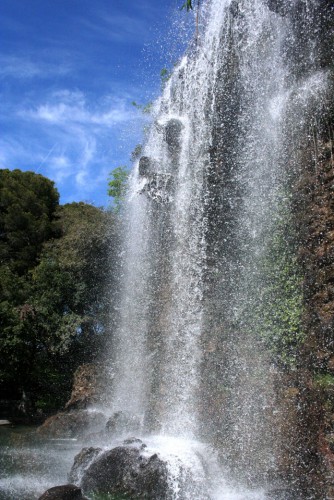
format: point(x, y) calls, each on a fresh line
point(202, 205)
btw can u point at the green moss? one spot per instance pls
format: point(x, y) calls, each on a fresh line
point(325, 381)
point(278, 304)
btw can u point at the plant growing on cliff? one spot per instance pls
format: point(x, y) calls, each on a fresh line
point(187, 5)
point(278, 308)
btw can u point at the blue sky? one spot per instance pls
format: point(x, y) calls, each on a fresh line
point(69, 72)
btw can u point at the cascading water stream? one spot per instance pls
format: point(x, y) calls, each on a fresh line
point(202, 205)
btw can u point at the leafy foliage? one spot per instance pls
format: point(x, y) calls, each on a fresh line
point(278, 309)
point(165, 75)
point(144, 108)
point(27, 208)
point(187, 5)
point(325, 380)
point(54, 309)
point(117, 185)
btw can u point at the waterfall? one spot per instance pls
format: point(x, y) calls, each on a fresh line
point(203, 204)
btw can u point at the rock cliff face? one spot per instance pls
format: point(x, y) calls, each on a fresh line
point(87, 387)
point(306, 393)
point(315, 221)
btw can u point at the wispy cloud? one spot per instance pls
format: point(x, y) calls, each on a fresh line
point(80, 139)
point(117, 28)
point(75, 137)
point(25, 68)
point(65, 108)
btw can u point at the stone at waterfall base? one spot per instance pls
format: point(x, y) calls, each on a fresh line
point(64, 492)
point(81, 462)
point(125, 470)
point(71, 424)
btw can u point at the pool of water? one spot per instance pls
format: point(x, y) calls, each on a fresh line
point(30, 465)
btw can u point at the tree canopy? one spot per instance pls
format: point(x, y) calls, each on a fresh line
point(27, 211)
point(54, 305)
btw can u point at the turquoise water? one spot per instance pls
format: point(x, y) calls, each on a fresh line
point(30, 465)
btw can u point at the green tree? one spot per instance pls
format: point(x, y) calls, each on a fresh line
point(70, 294)
point(117, 183)
point(54, 301)
point(27, 210)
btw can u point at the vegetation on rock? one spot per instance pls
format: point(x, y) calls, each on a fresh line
point(279, 308)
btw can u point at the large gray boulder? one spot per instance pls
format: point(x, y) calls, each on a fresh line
point(125, 470)
point(81, 462)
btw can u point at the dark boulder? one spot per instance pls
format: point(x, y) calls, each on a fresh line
point(173, 129)
point(64, 492)
point(124, 470)
point(81, 462)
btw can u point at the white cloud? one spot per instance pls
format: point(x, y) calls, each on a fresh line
point(65, 108)
point(117, 28)
point(25, 68)
point(80, 138)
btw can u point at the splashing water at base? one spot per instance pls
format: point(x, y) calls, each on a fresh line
point(194, 471)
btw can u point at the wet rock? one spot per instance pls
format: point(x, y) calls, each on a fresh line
point(125, 471)
point(159, 185)
point(64, 492)
point(121, 422)
point(160, 188)
point(146, 166)
point(81, 462)
point(330, 365)
point(173, 130)
point(234, 8)
point(277, 6)
point(134, 440)
point(71, 424)
point(86, 388)
point(279, 494)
